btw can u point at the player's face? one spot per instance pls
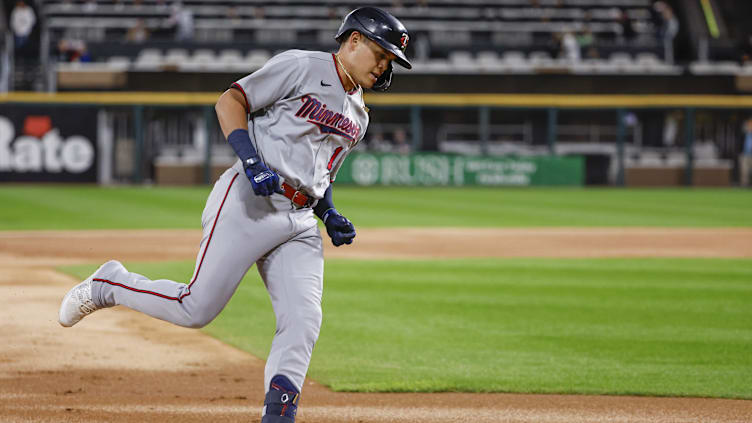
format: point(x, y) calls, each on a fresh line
point(371, 61)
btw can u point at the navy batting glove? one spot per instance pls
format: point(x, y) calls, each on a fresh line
point(340, 230)
point(264, 181)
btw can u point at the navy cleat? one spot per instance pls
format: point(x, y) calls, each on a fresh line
point(281, 402)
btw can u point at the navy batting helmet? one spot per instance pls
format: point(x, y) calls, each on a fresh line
point(381, 27)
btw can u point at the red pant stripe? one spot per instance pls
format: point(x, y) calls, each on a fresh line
point(208, 241)
point(143, 291)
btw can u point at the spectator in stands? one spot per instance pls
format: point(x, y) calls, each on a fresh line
point(671, 127)
point(401, 145)
point(628, 32)
point(586, 39)
point(669, 29)
point(421, 43)
point(182, 20)
point(555, 46)
point(745, 160)
point(138, 33)
point(377, 142)
point(90, 6)
point(570, 48)
point(22, 21)
point(656, 16)
point(73, 51)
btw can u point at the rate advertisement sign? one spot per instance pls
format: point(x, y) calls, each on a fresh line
point(48, 144)
point(458, 170)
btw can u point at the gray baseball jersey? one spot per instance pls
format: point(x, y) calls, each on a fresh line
point(304, 124)
point(307, 123)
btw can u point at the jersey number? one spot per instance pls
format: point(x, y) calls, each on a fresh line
point(334, 156)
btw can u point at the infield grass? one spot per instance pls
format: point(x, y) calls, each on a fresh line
point(665, 327)
point(35, 207)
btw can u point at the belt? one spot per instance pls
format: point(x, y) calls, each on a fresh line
point(297, 197)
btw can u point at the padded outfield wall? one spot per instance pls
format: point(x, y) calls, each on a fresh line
point(76, 137)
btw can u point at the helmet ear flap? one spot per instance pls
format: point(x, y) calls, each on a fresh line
point(385, 80)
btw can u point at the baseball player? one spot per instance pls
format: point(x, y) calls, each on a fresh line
point(291, 123)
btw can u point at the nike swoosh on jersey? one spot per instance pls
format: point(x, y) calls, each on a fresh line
point(324, 84)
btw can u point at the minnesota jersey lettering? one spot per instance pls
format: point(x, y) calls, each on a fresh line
point(328, 121)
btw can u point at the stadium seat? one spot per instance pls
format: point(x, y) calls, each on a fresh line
point(148, 59)
point(201, 60)
point(715, 68)
point(461, 56)
point(176, 56)
point(515, 62)
point(463, 61)
point(727, 68)
point(488, 61)
point(601, 66)
point(541, 59)
point(230, 56)
point(119, 63)
point(256, 58)
point(582, 67)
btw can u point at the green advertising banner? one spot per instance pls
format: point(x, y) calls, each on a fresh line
point(450, 169)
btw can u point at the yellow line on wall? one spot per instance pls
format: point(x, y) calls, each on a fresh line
point(459, 100)
point(557, 100)
point(112, 98)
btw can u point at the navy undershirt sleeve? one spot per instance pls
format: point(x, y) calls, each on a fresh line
point(324, 204)
point(240, 140)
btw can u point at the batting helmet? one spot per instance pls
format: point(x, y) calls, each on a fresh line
point(381, 27)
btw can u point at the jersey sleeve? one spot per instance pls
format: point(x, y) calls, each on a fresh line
point(279, 78)
point(337, 164)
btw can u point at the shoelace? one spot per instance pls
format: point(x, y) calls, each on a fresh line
point(84, 298)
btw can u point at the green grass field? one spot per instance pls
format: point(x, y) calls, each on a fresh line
point(667, 327)
point(679, 327)
point(26, 207)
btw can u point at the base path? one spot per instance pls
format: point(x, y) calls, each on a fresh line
point(126, 367)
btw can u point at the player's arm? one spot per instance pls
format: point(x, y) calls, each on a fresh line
point(340, 230)
point(231, 113)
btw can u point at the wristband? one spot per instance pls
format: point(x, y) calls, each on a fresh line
point(328, 213)
point(240, 140)
point(250, 162)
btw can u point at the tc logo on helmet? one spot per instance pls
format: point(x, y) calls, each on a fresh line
point(405, 38)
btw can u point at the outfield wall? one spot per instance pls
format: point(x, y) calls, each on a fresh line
point(122, 137)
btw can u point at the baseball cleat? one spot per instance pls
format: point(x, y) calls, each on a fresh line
point(78, 303)
point(281, 402)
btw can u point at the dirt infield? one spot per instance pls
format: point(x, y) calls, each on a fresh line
point(123, 366)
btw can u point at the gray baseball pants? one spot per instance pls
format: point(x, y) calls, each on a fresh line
point(239, 229)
